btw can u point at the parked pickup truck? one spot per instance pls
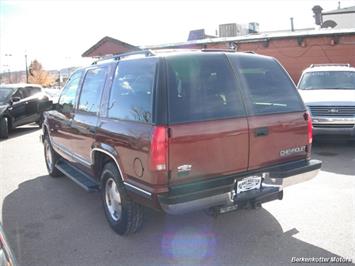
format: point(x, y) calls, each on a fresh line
point(328, 91)
point(180, 131)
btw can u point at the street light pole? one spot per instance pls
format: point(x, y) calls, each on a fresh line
point(26, 68)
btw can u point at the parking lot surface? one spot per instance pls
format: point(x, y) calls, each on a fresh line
point(52, 221)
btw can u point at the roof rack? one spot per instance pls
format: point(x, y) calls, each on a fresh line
point(218, 50)
point(317, 65)
point(119, 56)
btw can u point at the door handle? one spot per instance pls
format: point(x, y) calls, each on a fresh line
point(262, 131)
point(68, 122)
point(92, 130)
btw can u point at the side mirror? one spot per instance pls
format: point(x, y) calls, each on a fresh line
point(55, 106)
point(15, 99)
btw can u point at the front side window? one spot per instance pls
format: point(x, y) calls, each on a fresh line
point(67, 98)
point(20, 93)
point(132, 90)
point(93, 85)
point(268, 88)
point(202, 87)
point(5, 94)
point(343, 80)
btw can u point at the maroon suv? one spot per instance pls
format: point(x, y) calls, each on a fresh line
point(179, 132)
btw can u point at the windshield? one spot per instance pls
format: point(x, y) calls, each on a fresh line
point(5, 94)
point(344, 80)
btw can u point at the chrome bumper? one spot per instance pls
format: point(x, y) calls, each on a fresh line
point(333, 125)
point(319, 120)
point(199, 204)
point(291, 180)
point(271, 189)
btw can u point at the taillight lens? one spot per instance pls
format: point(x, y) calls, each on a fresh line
point(310, 132)
point(159, 149)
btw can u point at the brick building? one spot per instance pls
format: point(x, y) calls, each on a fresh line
point(296, 50)
point(108, 45)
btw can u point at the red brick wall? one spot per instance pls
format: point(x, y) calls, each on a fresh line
point(296, 57)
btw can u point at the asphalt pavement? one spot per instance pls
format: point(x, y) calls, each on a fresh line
point(52, 221)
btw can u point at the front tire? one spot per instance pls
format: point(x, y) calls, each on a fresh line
point(51, 158)
point(123, 215)
point(4, 128)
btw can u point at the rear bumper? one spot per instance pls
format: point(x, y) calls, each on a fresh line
point(220, 192)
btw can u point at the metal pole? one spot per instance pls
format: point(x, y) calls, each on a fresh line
point(292, 25)
point(26, 68)
point(59, 78)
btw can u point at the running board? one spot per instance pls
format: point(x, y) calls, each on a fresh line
point(78, 176)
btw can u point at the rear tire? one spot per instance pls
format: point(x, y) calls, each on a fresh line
point(40, 121)
point(123, 215)
point(51, 158)
point(4, 128)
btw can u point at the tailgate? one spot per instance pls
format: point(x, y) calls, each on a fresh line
point(277, 138)
point(207, 149)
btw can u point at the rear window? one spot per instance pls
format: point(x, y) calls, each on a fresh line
point(268, 88)
point(344, 80)
point(201, 87)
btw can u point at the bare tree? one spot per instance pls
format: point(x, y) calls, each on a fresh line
point(39, 76)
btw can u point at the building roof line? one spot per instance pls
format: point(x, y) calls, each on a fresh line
point(257, 37)
point(102, 41)
point(345, 10)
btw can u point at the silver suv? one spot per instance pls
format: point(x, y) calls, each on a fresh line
point(329, 94)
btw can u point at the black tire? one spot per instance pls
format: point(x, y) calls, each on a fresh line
point(129, 218)
point(51, 158)
point(4, 128)
point(40, 121)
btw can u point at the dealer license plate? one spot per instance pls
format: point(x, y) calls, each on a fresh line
point(248, 183)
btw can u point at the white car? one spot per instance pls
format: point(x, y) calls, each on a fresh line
point(329, 94)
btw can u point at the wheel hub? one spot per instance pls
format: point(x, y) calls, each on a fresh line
point(49, 158)
point(113, 199)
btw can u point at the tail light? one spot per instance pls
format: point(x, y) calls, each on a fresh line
point(159, 149)
point(310, 132)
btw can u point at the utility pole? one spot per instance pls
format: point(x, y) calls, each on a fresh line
point(26, 68)
point(8, 71)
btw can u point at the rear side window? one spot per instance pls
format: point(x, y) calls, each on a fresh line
point(132, 90)
point(268, 87)
point(93, 85)
point(202, 87)
point(33, 90)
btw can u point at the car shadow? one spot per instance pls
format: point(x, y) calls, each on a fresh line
point(20, 131)
point(336, 153)
point(51, 221)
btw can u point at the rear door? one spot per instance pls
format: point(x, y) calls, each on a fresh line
point(34, 96)
point(208, 127)
point(277, 121)
point(86, 115)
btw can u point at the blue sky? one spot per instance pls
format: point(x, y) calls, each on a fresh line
point(58, 32)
